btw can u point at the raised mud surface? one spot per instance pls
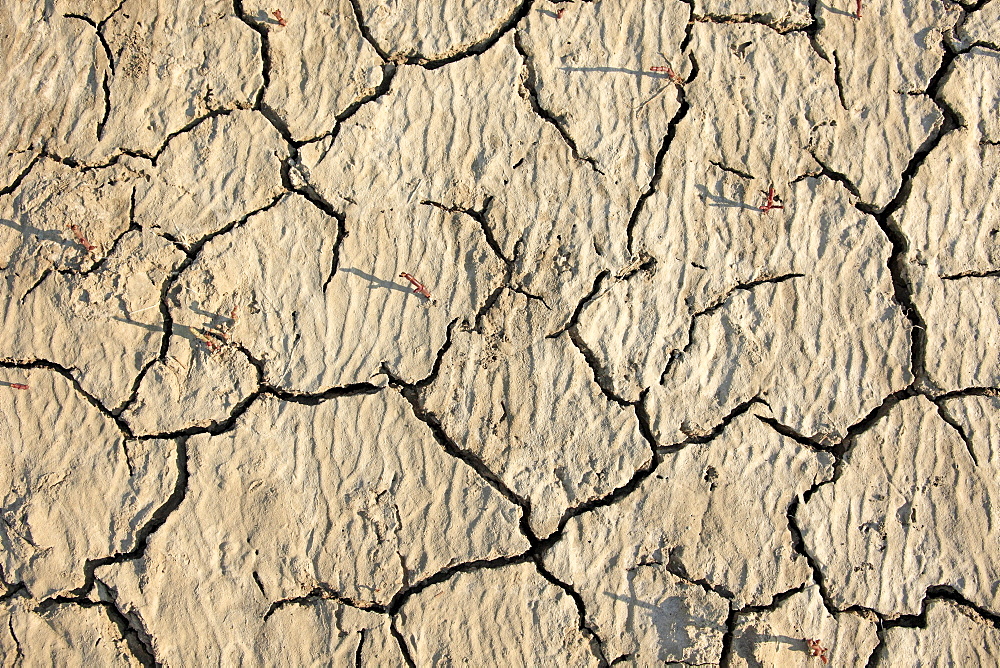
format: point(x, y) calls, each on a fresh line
point(441, 332)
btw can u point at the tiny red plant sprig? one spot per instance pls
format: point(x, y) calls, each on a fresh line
point(857, 13)
point(277, 15)
point(815, 649)
point(418, 287)
point(770, 201)
point(210, 343)
point(19, 386)
point(82, 240)
point(673, 76)
point(560, 12)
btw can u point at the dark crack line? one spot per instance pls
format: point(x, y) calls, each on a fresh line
point(142, 535)
point(596, 644)
point(366, 32)
point(677, 355)
point(934, 593)
point(411, 393)
point(16, 183)
point(17, 642)
point(480, 216)
point(67, 373)
point(995, 273)
point(192, 252)
point(445, 574)
point(732, 170)
point(807, 441)
point(661, 154)
point(766, 19)
point(529, 92)
point(574, 318)
point(689, 26)
point(733, 618)
point(838, 80)
point(133, 637)
point(358, 651)
point(323, 592)
point(957, 426)
point(400, 640)
point(388, 75)
point(799, 545)
point(601, 376)
point(265, 54)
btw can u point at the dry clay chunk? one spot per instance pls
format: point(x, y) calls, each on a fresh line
point(983, 25)
point(954, 635)
point(777, 637)
point(426, 30)
point(714, 513)
point(528, 407)
point(199, 383)
point(979, 418)
point(65, 218)
point(74, 488)
point(737, 303)
point(464, 137)
point(318, 632)
point(175, 62)
point(884, 61)
point(589, 70)
point(352, 496)
point(320, 63)
point(911, 510)
point(777, 91)
point(782, 15)
point(972, 89)
point(104, 324)
point(508, 616)
point(64, 635)
point(225, 168)
point(51, 69)
point(952, 221)
point(314, 329)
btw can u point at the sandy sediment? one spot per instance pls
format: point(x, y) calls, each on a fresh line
point(356, 332)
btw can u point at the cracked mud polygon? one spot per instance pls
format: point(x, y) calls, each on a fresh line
point(514, 333)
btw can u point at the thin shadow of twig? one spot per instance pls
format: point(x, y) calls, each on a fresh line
point(44, 235)
point(835, 10)
point(724, 202)
point(375, 281)
point(617, 70)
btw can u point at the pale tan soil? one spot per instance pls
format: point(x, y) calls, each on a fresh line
point(642, 419)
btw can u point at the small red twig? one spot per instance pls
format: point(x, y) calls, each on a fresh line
point(210, 343)
point(673, 76)
point(281, 21)
point(19, 386)
point(770, 201)
point(418, 287)
point(815, 649)
point(82, 240)
point(559, 14)
point(857, 13)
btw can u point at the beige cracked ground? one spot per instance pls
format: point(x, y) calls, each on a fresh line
point(708, 373)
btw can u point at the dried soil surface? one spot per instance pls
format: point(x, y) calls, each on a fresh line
point(512, 333)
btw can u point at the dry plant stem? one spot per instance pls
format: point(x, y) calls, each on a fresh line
point(277, 15)
point(418, 287)
point(770, 201)
point(82, 240)
point(673, 76)
point(19, 386)
point(815, 649)
point(857, 13)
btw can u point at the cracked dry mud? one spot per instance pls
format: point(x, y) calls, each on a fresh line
point(649, 414)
